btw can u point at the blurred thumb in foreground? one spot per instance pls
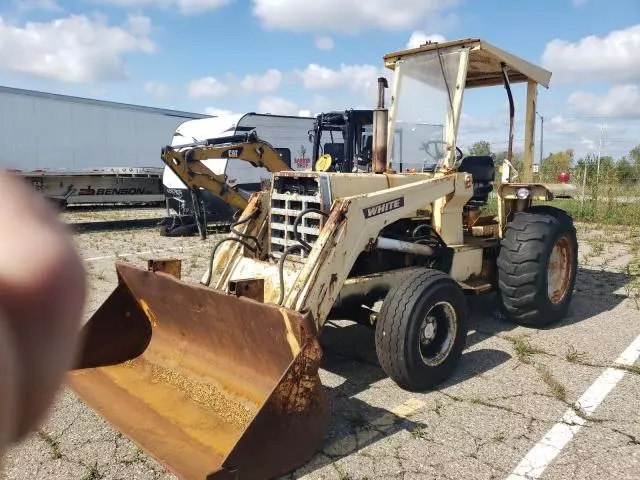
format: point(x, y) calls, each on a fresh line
point(42, 295)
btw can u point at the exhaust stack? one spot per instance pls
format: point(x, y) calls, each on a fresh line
point(380, 126)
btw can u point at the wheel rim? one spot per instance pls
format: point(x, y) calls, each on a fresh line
point(559, 270)
point(437, 333)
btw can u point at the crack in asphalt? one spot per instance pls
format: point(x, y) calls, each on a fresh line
point(633, 440)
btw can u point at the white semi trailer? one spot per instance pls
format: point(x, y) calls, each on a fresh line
point(83, 151)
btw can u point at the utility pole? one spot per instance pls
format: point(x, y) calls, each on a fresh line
point(541, 141)
point(599, 151)
point(541, 137)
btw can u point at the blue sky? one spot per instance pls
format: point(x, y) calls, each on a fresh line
point(292, 57)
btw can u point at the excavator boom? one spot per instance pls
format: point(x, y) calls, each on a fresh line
point(186, 162)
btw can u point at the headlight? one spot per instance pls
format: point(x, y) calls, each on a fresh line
point(523, 193)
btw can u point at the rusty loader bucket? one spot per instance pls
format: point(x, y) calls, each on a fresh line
point(213, 386)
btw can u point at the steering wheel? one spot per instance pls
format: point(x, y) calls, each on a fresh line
point(439, 154)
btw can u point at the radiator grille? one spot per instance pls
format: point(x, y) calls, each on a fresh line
point(291, 196)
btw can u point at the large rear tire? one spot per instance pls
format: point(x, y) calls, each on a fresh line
point(421, 330)
point(537, 266)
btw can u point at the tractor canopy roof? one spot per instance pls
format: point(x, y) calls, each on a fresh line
point(485, 62)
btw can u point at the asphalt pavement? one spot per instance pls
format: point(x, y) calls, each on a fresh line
point(508, 412)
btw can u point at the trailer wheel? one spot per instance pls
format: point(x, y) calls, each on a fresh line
point(537, 266)
point(421, 330)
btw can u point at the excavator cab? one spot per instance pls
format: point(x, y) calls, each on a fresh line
point(340, 135)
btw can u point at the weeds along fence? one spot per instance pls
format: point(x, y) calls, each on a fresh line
point(601, 201)
point(598, 198)
point(606, 195)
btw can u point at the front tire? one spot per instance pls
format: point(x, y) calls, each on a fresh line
point(421, 330)
point(537, 266)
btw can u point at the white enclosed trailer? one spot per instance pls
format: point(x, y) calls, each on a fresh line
point(79, 150)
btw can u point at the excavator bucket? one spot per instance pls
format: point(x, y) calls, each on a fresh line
point(213, 386)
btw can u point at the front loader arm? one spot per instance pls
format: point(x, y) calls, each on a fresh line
point(186, 163)
point(353, 225)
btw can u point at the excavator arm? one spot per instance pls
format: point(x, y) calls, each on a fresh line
point(186, 162)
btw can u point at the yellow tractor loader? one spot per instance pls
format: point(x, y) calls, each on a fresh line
point(219, 380)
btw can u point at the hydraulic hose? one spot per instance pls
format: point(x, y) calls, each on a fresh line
point(253, 249)
point(207, 282)
point(245, 235)
point(302, 245)
point(432, 231)
point(286, 252)
point(296, 234)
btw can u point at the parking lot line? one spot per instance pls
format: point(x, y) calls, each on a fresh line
point(407, 408)
point(387, 419)
point(548, 448)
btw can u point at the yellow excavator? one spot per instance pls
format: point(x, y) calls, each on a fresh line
point(345, 149)
point(219, 380)
point(186, 162)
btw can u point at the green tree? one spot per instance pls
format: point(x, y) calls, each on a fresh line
point(590, 162)
point(624, 171)
point(634, 159)
point(556, 163)
point(607, 168)
point(480, 148)
point(634, 155)
point(517, 160)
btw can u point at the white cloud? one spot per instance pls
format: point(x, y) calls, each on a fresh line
point(207, 87)
point(277, 106)
point(46, 5)
point(588, 143)
point(186, 7)
point(622, 101)
point(305, 113)
point(73, 49)
point(321, 102)
point(613, 58)
point(217, 112)
point(419, 37)
point(561, 125)
point(318, 77)
point(349, 16)
point(474, 125)
point(157, 90)
point(324, 43)
point(211, 87)
point(268, 82)
point(358, 78)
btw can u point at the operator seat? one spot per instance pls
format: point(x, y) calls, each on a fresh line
point(368, 148)
point(483, 170)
